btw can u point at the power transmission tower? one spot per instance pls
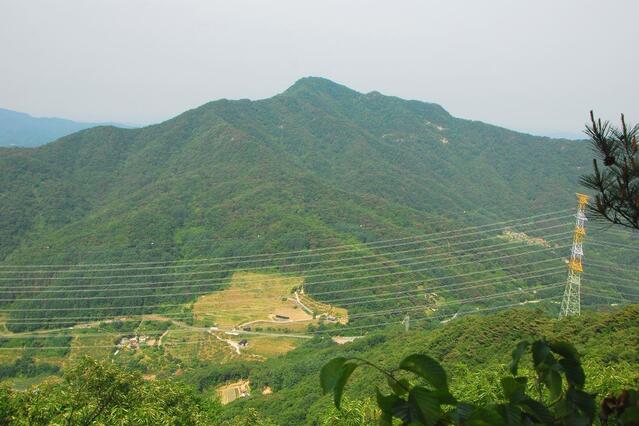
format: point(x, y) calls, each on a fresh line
point(571, 302)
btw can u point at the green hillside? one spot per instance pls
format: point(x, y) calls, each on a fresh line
point(315, 167)
point(475, 352)
point(314, 140)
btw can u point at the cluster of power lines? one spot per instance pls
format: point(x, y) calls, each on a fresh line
point(391, 272)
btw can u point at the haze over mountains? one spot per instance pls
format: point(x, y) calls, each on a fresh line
point(21, 129)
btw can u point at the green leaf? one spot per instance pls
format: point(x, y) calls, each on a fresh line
point(574, 372)
point(514, 388)
point(553, 380)
point(388, 405)
point(540, 352)
point(469, 415)
point(345, 372)
point(564, 349)
point(510, 414)
point(630, 416)
point(427, 404)
point(427, 368)
point(330, 373)
point(334, 375)
point(400, 387)
point(517, 353)
point(584, 401)
point(445, 397)
point(537, 411)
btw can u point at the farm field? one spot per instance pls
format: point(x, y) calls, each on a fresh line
point(251, 297)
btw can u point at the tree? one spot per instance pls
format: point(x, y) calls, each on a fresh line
point(617, 184)
point(419, 392)
point(98, 392)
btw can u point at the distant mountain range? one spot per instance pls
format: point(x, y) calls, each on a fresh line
point(21, 129)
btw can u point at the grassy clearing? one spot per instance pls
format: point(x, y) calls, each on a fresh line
point(190, 345)
point(250, 297)
point(263, 302)
point(96, 346)
point(231, 391)
point(270, 346)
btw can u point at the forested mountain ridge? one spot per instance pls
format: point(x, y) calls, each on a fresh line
point(411, 154)
point(317, 166)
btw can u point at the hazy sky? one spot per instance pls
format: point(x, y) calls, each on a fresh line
point(536, 66)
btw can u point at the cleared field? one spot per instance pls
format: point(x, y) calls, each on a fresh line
point(97, 346)
point(232, 391)
point(251, 297)
point(270, 346)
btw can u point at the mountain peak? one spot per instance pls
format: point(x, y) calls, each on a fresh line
point(319, 85)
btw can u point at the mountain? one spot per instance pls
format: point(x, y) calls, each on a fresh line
point(318, 139)
point(317, 166)
point(20, 129)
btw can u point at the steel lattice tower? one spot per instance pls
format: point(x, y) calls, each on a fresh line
point(571, 302)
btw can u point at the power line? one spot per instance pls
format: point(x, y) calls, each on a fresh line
point(194, 265)
point(465, 285)
point(590, 274)
point(170, 305)
point(377, 313)
point(431, 317)
point(275, 279)
point(364, 267)
point(478, 298)
point(227, 270)
point(296, 251)
point(614, 265)
point(149, 286)
point(494, 308)
point(419, 282)
point(614, 245)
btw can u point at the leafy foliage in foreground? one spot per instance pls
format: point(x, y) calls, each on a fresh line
point(474, 350)
point(559, 383)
